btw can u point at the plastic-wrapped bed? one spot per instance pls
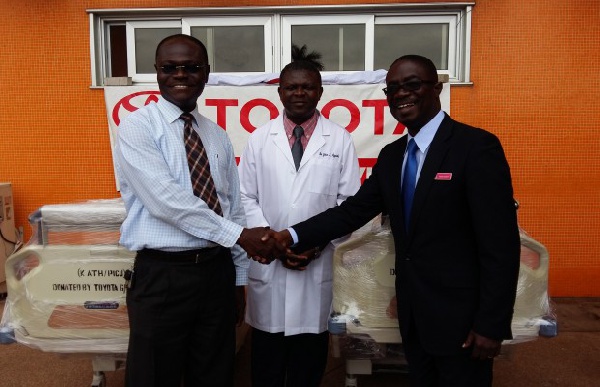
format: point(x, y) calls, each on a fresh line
point(66, 286)
point(364, 325)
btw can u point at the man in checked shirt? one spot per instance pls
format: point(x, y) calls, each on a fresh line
point(187, 287)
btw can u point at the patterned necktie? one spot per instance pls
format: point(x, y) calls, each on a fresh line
point(202, 182)
point(297, 149)
point(409, 179)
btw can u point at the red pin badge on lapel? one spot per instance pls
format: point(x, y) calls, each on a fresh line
point(443, 176)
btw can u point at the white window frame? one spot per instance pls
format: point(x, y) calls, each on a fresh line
point(287, 22)
point(277, 22)
point(266, 21)
point(454, 44)
point(130, 28)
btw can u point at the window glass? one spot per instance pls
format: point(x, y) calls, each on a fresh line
point(118, 51)
point(233, 48)
point(394, 40)
point(342, 46)
point(146, 40)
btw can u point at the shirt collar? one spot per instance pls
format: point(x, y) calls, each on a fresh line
point(308, 125)
point(172, 112)
point(428, 131)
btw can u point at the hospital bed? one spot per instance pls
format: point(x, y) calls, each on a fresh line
point(66, 291)
point(65, 287)
point(364, 325)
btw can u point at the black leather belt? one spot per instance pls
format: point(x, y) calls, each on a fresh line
point(187, 256)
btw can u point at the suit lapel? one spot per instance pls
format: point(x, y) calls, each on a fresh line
point(396, 171)
point(435, 156)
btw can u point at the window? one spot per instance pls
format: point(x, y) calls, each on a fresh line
point(142, 39)
point(234, 44)
point(341, 40)
point(259, 39)
point(431, 36)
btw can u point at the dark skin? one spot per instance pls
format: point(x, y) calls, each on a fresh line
point(182, 89)
point(299, 91)
point(414, 109)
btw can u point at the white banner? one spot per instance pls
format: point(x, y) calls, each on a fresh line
point(361, 108)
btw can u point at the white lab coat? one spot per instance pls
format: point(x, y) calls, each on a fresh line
point(275, 195)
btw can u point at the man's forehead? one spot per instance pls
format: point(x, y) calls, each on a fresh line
point(403, 70)
point(178, 47)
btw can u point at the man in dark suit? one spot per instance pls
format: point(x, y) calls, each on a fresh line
point(457, 245)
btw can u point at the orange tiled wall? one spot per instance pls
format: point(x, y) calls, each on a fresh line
point(533, 64)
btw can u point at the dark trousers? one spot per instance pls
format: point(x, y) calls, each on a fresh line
point(182, 322)
point(428, 370)
point(291, 361)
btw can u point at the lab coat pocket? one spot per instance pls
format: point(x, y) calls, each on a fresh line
point(324, 176)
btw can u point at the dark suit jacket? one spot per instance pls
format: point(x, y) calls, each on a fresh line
point(457, 266)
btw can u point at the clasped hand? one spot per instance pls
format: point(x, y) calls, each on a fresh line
point(265, 245)
point(299, 261)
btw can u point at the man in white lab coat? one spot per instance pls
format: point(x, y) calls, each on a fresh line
point(289, 302)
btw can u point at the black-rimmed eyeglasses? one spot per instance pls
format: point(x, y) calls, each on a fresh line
point(188, 69)
point(413, 85)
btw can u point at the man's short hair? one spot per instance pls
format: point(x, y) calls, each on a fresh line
point(423, 61)
point(301, 64)
point(184, 36)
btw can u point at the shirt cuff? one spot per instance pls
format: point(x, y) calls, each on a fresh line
point(294, 235)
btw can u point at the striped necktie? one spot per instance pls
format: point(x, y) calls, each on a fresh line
point(202, 182)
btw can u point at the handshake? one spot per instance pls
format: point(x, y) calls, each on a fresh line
point(265, 245)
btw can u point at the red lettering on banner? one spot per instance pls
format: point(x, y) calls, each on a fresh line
point(399, 128)
point(367, 164)
point(245, 112)
point(379, 105)
point(221, 105)
point(352, 108)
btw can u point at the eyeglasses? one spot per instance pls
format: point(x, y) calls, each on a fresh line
point(188, 69)
point(413, 85)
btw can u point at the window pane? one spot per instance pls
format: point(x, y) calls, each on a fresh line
point(118, 51)
point(146, 40)
point(394, 40)
point(233, 48)
point(342, 46)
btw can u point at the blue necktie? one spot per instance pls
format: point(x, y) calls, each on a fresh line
point(409, 179)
